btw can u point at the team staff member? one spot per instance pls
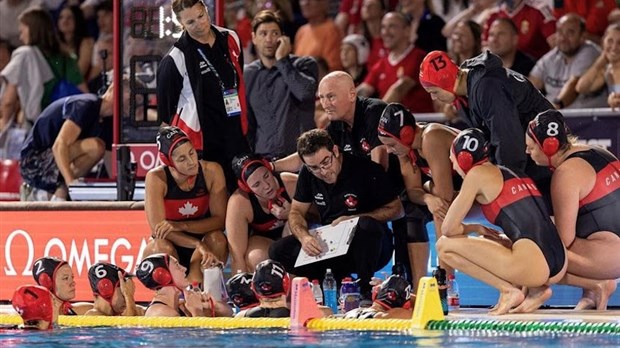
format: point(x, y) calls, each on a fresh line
point(200, 87)
point(585, 191)
point(353, 121)
point(185, 204)
point(353, 127)
point(56, 275)
point(494, 99)
point(530, 254)
point(423, 152)
point(341, 186)
point(257, 211)
point(113, 290)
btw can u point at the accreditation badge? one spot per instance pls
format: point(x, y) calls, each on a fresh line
point(231, 102)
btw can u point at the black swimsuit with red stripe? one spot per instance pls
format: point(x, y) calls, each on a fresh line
point(425, 168)
point(265, 224)
point(521, 212)
point(599, 210)
point(186, 205)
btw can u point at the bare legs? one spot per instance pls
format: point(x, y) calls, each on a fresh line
point(500, 267)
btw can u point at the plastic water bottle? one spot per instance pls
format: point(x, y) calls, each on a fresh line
point(317, 292)
point(213, 283)
point(454, 300)
point(349, 295)
point(440, 275)
point(330, 291)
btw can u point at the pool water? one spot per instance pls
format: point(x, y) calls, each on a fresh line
point(238, 338)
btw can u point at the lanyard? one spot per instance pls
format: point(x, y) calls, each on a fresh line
point(204, 57)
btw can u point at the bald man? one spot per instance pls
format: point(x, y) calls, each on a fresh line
point(353, 121)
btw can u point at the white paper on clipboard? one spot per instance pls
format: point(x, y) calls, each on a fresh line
point(334, 239)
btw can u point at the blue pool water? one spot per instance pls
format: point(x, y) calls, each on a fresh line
point(241, 338)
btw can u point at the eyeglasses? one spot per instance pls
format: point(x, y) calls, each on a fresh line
point(325, 164)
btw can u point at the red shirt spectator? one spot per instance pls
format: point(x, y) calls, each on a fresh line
point(595, 13)
point(535, 23)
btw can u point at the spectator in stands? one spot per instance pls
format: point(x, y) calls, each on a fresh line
point(319, 37)
point(281, 89)
point(105, 23)
point(558, 71)
point(349, 19)
point(56, 276)
point(257, 211)
point(605, 72)
point(331, 180)
point(210, 107)
point(484, 92)
point(354, 56)
point(585, 190)
point(529, 253)
point(185, 205)
point(372, 13)
point(535, 22)
point(465, 41)
point(74, 39)
point(503, 41)
point(477, 11)
point(424, 25)
point(10, 10)
point(35, 306)
point(284, 9)
point(395, 77)
point(67, 141)
point(271, 284)
point(595, 13)
point(35, 69)
point(113, 290)
point(175, 296)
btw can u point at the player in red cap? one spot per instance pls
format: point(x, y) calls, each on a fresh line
point(56, 275)
point(585, 191)
point(496, 100)
point(185, 205)
point(34, 304)
point(113, 290)
point(528, 254)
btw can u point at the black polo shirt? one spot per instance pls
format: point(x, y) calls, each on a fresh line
point(362, 186)
point(362, 138)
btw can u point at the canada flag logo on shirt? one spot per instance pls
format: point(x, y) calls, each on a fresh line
point(188, 209)
point(350, 200)
point(365, 145)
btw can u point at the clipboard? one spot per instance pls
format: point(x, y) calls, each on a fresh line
point(334, 239)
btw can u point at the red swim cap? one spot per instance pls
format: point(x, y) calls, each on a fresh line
point(438, 70)
point(33, 302)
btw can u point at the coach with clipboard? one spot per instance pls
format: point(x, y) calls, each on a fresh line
point(342, 187)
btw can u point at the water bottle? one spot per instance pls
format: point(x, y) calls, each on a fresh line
point(454, 301)
point(213, 283)
point(440, 275)
point(330, 291)
point(349, 295)
point(317, 292)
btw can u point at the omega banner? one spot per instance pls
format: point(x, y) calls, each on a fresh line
point(82, 237)
point(602, 131)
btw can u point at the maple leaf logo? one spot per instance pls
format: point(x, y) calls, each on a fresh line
point(188, 209)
